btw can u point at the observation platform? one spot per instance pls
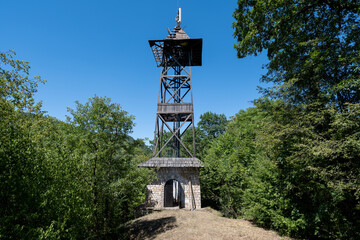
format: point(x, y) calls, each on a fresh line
point(171, 112)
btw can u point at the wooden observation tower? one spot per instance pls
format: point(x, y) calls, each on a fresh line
point(177, 183)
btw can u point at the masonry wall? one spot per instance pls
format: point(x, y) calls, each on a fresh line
point(189, 181)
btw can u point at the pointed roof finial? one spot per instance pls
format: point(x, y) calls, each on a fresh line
point(178, 18)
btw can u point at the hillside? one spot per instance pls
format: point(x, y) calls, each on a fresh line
point(203, 224)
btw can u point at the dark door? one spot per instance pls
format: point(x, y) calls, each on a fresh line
point(172, 193)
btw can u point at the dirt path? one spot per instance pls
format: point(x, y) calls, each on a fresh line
point(202, 224)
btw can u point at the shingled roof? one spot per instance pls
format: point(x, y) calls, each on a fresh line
point(171, 162)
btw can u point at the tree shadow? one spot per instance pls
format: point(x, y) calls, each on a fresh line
point(148, 229)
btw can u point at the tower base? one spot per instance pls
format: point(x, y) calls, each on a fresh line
point(175, 187)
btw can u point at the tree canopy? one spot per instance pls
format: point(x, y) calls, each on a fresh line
point(312, 46)
point(16, 86)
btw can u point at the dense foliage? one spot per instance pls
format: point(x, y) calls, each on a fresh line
point(312, 47)
point(291, 162)
point(271, 166)
point(75, 180)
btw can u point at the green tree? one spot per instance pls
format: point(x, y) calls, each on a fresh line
point(16, 86)
point(68, 199)
point(225, 162)
point(210, 126)
point(22, 175)
point(105, 152)
point(313, 51)
point(312, 46)
point(66, 196)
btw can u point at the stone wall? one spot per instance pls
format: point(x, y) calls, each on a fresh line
point(189, 181)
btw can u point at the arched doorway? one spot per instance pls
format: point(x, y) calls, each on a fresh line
point(173, 194)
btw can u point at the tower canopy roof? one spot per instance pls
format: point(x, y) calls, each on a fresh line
point(188, 52)
point(191, 50)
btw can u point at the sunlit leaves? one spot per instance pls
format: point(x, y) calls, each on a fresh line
point(315, 43)
point(15, 84)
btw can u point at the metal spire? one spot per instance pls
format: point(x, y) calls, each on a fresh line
point(178, 18)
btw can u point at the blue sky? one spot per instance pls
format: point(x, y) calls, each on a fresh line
point(83, 48)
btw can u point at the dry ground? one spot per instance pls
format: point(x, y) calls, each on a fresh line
point(202, 224)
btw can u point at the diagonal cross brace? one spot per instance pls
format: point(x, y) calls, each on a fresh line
point(175, 92)
point(187, 79)
point(174, 135)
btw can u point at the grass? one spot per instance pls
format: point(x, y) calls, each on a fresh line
point(202, 224)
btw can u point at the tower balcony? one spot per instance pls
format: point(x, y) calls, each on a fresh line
point(172, 112)
point(176, 108)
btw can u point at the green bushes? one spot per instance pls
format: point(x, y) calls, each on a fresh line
point(295, 172)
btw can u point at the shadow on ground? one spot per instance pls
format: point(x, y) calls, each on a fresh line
point(148, 229)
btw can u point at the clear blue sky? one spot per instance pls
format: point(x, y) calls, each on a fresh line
point(83, 48)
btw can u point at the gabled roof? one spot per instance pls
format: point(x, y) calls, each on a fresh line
point(171, 162)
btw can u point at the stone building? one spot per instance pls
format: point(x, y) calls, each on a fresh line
point(177, 183)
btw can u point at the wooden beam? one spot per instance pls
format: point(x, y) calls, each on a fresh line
point(177, 131)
